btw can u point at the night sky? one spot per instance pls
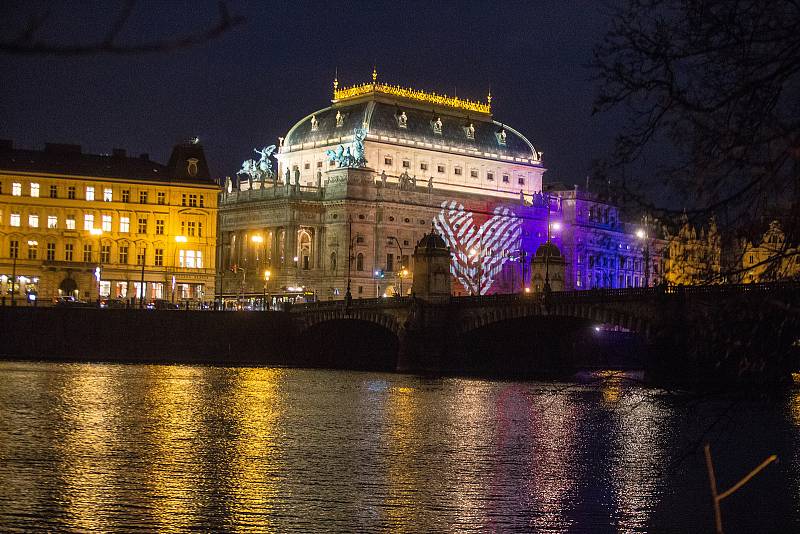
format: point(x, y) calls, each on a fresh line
point(249, 86)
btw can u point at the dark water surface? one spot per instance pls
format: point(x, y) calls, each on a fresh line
point(108, 447)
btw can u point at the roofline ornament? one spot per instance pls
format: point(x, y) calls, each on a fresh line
point(346, 93)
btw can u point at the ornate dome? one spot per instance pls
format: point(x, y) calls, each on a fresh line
point(548, 249)
point(432, 241)
point(417, 118)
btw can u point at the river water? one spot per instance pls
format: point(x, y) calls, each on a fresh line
point(114, 447)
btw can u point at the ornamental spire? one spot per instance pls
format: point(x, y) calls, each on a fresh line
point(374, 74)
point(336, 80)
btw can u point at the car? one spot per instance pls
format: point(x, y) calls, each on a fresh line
point(160, 304)
point(113, 303)
point(71, 302)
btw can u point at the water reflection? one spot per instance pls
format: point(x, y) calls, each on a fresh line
point(89, 447)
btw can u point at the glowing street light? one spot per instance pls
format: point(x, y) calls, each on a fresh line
point(98, 232)
point(267, 274)
point(180, 239)
point(556, 226)
point(640, 233)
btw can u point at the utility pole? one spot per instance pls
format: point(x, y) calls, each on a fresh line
point(348, 296)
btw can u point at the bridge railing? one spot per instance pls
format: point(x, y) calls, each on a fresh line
point(355, 304)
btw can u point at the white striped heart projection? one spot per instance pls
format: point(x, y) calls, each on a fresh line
point(478, 253)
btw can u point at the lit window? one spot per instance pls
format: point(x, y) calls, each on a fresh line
point(16, 189)
point(15, 219)
point(89, 192)
point(70, 222)
point(52, 221)
point(108, 195)
point(33, 220)
point(124, 224)
point(88, 221)
point(34, 190)
point(106, 223)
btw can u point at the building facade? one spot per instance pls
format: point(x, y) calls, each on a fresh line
point(771, 259)
point(88, 226)
point(358, 183)
point(693, 257)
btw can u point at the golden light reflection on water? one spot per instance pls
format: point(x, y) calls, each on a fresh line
point(402, 485)
point(173, 413)
point(256, 462)
point(87, 463)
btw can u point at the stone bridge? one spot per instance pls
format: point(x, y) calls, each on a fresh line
point(674, 321)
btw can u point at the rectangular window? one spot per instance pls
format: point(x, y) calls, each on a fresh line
point(440, 168)
point(89, 192)
point(159, 226)
point(199, 229)
point(124, 225)
point(33, 249)
point(319, 164)
point(108, 194)
point(70, 222)
point(390, 262)
point(161, 198)
point(457, 171)
point(106, 223)
point(473, 173)
point(126, 195)
point(34, 189)
point(191, 259)
point(69, 248)
point(307, 166)
point(406, 164)
point(13, 249)
point(105, 253)
point(87, 253)
point(15, 219)
point(52, 221)
point(140, 257)
point(88, 221)
point(520, 181)
point(33, 220)
point(505, 178)
point(16, 189)
point(202, 201)
point(142, 225)
point(190, 227)
point(387, 161)
point(123, 254)
point(192, 201)
point(423, 166)
point(71, 192)
point(53, 191)
point(183, 199)
point(142, 197)
point(51, 252)
point(159, 257)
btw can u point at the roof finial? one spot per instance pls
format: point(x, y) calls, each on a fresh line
point(336, 80)
point(489, 98)
point(374, 74)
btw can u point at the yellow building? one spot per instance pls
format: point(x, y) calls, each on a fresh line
point(691, 257)
point(73, 224)
point(772, 259)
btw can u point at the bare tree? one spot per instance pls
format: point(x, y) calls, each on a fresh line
point(718, 82)
point(21, 37)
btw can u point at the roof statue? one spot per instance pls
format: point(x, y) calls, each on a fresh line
point(353, 155)
point(259, 170)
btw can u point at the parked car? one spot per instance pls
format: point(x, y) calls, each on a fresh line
point(113, 303)
point(160, 304)
point(71, 302)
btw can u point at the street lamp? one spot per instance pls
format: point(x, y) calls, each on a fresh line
point(178, 239)
point(97, 232)
point(642, 235)
point(401, 271)
point(267, 274)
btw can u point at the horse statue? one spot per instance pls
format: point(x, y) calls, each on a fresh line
point(353, 155)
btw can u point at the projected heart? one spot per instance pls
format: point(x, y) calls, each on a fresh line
point(478, 253)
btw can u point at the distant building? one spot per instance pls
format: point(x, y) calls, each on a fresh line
point(72, 223)
point(770, 260)
point(692, 257)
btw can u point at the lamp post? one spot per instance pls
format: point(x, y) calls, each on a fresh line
point(14, 277)
point(348, 296)
point(267, 274)
point(178, 239)
point(401, 270)
point(642, 234)
point(141, 281)
point(97, 232)
point(257, 240)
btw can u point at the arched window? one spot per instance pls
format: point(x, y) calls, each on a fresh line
point(360, 262)
point(305, 249)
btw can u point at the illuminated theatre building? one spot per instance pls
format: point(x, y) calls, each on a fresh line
point(357, 184)
point(73, 224)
